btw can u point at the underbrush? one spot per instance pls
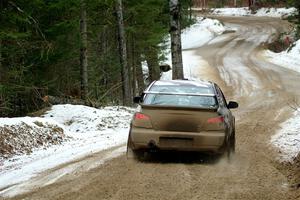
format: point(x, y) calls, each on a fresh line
point(283, 42)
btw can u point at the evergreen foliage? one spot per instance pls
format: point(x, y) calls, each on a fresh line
point(296, 4)
point(40, 49)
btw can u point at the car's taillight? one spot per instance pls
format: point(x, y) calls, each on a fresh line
point(141, 116)
point(141, 120)
point(215, 120)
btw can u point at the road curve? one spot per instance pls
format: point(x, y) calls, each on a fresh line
point(233, 60)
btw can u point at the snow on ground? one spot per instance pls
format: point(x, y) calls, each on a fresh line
point(289, 58)
point(202, 32)
point(287, 140)
point(262, 12)
point(86, 130)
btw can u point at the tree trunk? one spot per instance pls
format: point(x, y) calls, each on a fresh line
point(297, 5)
point(252, 4)
point(132, 63)
point(123, 56)
point(1, 70)
point(152, 62)
point(140, 75)
point(83, 51)
point(175, 32)
point(234, 3)
point(190, 9)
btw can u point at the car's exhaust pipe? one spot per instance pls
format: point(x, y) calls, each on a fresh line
point(152, 146)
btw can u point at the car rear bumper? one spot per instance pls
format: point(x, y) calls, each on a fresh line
point(142, 138)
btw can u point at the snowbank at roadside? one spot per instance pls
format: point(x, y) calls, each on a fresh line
point(78, 120)
point(262, 12)
point(289, 59)
point(287, 140)
point(82, 130)
point(199, 34)
point(204, 30)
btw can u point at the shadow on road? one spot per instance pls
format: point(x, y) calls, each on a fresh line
point(179, 157)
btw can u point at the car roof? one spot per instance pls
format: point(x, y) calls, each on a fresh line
point(184, 83)
point(197, 83)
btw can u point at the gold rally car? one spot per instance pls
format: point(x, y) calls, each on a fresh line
point(182, 115)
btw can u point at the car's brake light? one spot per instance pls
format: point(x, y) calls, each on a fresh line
point(141, 120)
point(215, 120)
point(141, 116)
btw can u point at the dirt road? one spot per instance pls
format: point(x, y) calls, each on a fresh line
point(235, 62)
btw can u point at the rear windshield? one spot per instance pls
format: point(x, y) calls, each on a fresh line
point(181, 100)
point(193, 89)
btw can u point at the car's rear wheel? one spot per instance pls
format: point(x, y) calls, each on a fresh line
point(232, 141)
point(135, 154)
point(230, 146)
point(132, 153)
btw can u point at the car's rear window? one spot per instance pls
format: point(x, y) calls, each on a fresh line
point(187, 97)
point(192, 89)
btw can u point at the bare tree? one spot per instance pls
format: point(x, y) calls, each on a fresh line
point(175, 32)
point(127, 95)
point(83, 51)
point(204, 5)
point(252, 4)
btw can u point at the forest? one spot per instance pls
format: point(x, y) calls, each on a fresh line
point(71, 50)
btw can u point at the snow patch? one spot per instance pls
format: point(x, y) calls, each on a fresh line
point(201, 32)
point(262, 12)
point(88, 130)
point(289, 59)
point(79, 120)
point(287, 140)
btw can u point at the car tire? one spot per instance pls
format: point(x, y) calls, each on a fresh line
point(232, 142)
point(230, 147)
point(135, 154)
point(129, 152)
point(132, 153)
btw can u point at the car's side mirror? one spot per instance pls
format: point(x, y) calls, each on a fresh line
point(137, 99)
point(165, 68)
point(232, 105)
